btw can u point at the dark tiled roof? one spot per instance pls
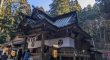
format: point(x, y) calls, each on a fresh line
point(59, 21)
point(66, 19)
point(62, 22)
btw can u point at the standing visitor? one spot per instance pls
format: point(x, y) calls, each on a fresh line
point(20, 54)
point(13, 54)
point(26, 55)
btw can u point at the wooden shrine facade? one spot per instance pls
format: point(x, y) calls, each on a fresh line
point(42, 32)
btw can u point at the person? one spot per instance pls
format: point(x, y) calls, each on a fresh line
point(13, 53)
point(26, 55)
point(20, 54)
point(4, 57)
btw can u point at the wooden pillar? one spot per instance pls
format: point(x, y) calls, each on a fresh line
point(84, 58)
point(74, 58)
point(79, 57)
point(25, 43)
point(42, 47)
point(60, 57)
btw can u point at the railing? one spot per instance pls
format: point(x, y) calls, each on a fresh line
point(73, 53)
point(37, 56)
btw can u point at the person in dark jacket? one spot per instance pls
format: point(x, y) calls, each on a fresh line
point(20, 54)
point(4, 57)
point(26, 55)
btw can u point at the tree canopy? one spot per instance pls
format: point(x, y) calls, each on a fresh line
point(59, 7)
point(104, 8)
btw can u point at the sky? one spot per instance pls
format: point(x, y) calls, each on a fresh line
point(45, 3)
